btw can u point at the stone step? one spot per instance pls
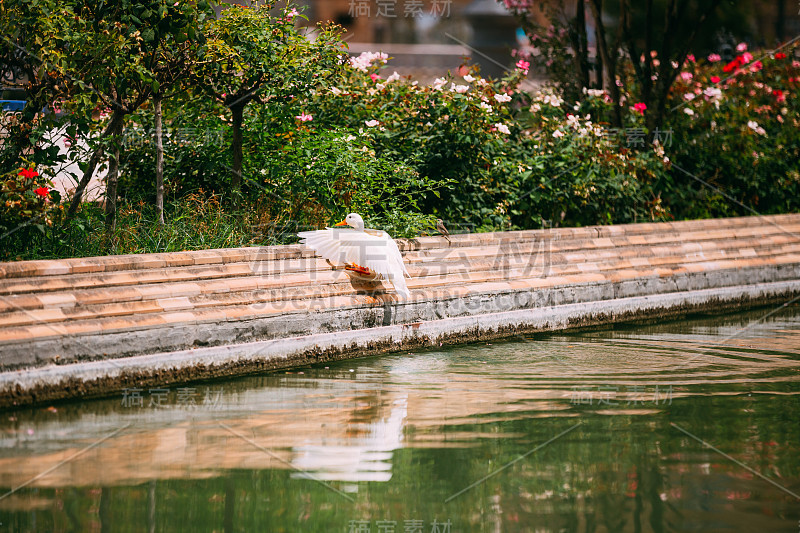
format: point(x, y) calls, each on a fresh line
point(249, 304)
point(438, 270)
point(754, 237)
point(636, 234)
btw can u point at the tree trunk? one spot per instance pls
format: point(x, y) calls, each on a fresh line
point(111, 182)
point(238, 118)
point(780, 21)
point(116, 119)
point(159, 158)
point(583, 45)
point(609, 58)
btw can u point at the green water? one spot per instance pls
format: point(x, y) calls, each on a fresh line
point(692, 425)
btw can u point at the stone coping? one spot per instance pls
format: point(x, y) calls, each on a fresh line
point(57, 316)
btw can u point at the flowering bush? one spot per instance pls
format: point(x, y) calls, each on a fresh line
point(517, 160)
point(26, 198)
point(737, 127)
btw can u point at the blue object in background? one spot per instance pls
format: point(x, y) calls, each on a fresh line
point(12, 105)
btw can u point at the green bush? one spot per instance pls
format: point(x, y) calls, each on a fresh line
point(27, 200)
point(739, 132)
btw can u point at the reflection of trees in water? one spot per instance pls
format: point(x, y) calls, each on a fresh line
point(468, 411)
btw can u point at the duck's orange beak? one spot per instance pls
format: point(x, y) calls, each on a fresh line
point(342, 223)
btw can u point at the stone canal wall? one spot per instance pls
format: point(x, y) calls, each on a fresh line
point(85, 327)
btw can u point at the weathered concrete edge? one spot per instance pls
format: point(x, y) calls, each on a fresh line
point(97, 378)
point(300, 322)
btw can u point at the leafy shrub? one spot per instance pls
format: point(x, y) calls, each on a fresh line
point(737, 128)
point(26, 198)
point(510, 170)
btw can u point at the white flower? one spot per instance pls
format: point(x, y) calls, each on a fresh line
point(380, 86)
point(573, 121)
point(558, 133)
point(535, 108)
point(550, 99)
point(350, 138)
point(486, 107)
point(688, 97)
point(753, 125)
point(482, 82)
point(688, 111)
point(459, 88)
point(393, 77)
point(364, 61)
point(712, 92)
point(502, 98)
point(502, 128)
point(438, 83)
point(595, 92)
point(372, 123)
point(468, 78)
point(336, 91)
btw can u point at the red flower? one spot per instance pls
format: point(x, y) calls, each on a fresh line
point(42, 191)
point(736, 63)
point(714, 79)
point(780, 55)
point(28, 173)
point(640, 107)
point(779, 96)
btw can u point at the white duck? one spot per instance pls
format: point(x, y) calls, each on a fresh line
point(361, 250)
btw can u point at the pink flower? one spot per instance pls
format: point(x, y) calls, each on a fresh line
point(755, 67)
point(746, 57)
point(302, 117)
point(690, 57)
point(640, 107)
point(714, 79)
point(523, 65)
point(741, 47)
point(713, 58)
point(293, 13)
point(374, 77)
point(686, 76)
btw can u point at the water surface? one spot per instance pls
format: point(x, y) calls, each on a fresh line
point(691, 425)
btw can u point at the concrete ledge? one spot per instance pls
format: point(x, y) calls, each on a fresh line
point(321, 316)
point(154, 318)
point(97, 378)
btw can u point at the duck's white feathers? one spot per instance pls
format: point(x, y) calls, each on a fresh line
point(373, 249)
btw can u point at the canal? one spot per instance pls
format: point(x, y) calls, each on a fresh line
point(690, 425)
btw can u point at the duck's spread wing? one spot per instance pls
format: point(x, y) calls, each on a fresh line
point(377, 252)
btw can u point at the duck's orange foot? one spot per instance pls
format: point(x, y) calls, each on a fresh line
point(355, 268)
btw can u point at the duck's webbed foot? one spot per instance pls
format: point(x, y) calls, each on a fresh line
point(359, 269)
